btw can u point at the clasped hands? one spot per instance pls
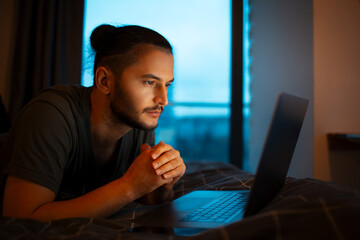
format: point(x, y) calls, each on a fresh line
point(154, 172)
point(167, 163)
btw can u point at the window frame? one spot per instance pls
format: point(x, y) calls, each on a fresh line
point(236, 151)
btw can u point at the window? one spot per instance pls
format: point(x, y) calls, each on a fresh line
point(246, 82)
point(197, 120)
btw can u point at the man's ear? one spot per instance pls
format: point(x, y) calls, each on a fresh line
point(104, 80)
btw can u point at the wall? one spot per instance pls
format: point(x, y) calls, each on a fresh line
point(7, 24)
point(309, 48)
point(336, 86)
point(282, 60)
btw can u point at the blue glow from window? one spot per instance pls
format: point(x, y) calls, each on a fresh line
point(246, 59)
point(246, 83)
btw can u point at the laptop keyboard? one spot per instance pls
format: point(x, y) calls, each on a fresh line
point(221, 210)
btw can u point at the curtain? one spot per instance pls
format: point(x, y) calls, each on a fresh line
point(48, 48)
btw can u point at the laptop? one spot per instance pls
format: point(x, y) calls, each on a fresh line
point(194, 210)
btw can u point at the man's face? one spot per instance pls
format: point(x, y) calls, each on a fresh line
point(141, 90)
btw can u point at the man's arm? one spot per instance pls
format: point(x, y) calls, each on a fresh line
point(24, 199)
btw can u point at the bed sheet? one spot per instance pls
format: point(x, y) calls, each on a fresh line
point(303, 209)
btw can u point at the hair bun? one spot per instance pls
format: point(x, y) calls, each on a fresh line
point(101, 36)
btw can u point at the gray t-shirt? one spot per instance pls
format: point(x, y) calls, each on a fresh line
point(50, 144)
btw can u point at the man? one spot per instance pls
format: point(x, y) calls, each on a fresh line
point(85, 152)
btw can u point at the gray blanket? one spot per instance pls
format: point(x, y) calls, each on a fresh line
point(303, 209)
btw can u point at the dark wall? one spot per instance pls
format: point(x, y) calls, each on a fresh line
point(282, 60)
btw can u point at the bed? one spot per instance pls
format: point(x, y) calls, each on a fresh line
point(303, 209)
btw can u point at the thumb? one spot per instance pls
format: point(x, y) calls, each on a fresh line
point(145, 147)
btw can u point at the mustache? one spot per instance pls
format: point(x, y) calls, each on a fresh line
point(156, 108)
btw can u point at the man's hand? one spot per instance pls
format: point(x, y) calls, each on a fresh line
point(167, 163)
point(141, 176)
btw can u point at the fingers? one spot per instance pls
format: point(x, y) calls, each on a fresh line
point(160, 149)
point(166, 157)
point(175, 173)
point(167, 161)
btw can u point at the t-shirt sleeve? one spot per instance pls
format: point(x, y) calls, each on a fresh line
point(41, 145)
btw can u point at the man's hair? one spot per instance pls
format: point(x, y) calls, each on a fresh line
point(114, 46)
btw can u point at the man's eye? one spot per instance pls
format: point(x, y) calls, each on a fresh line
point(168, 85)
point(149, 82)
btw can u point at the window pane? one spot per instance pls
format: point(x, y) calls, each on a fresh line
point(197, 120)
point(202, 135)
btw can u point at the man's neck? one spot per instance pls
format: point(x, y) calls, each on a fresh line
point(105, 132)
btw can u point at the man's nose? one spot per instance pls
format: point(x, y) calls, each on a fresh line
point(161, 96)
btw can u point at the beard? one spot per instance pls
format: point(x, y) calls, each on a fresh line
point(124, 111)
